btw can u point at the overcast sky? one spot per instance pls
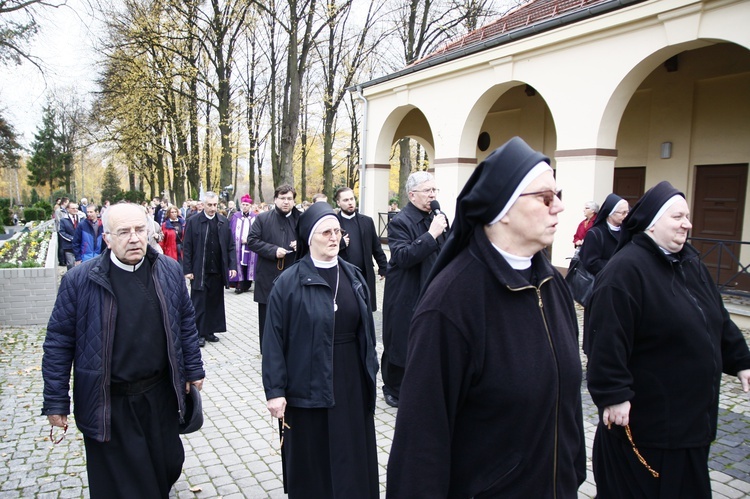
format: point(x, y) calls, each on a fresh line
point(65, 47)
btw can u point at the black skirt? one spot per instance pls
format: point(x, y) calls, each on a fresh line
point(331, 453)
point(683, 473)
point(144, 455)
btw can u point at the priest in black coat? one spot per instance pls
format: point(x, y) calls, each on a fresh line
point(273, 237)
point(209, 261)
point(415, 236)
point(361, 243)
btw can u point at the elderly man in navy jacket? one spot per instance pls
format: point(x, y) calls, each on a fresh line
point(132, 370)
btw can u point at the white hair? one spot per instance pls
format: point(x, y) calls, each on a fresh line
point(593, 206)
point(417, 178)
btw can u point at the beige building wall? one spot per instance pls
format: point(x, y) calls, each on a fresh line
point(592, 96)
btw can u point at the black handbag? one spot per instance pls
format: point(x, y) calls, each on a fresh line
point(580, 281)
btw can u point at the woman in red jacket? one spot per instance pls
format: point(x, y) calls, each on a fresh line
point(590, 210)
point(173, 229)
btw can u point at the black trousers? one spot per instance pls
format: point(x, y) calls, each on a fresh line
point(393, 375)
point(209, 306)
point(261, 323)
point(244, 282)
point(60, 254)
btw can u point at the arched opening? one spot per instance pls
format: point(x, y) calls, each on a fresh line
point(687, 122)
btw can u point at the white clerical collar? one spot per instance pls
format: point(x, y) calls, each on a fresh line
point(613, 228)
point(321, 264)
point(348, 217)
point(125, 266)
point(516, 262)
point(211, 217)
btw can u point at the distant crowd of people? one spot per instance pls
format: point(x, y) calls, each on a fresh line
point(480, 339)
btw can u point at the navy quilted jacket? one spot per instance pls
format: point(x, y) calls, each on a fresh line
point(81, 330)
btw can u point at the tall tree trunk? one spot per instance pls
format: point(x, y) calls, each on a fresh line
point(404, 159)
point(193, 160)
point(225, 130)
point(296, 66)
point(207, 146)
point(160, 167)
point(276, 176)
point(352, 178)
point(260, 185)
point(303, 146)
point(233, 194)
point(131, 178)
point(328, 155)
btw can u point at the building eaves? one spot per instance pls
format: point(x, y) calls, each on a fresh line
point(528, 20)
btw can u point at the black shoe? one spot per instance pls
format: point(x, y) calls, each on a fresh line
point(201, 341)
point(391, 400)
point(239, 291)
point(212, 338)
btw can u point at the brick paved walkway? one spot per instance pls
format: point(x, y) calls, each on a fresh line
point(232, 456)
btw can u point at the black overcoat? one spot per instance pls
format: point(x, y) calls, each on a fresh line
point(490, 404)
point(270, 231)
point(600, 242)
point(598, 247)
point(413, 253)
point(194, 249)
point(371, 247)
point(298, 339)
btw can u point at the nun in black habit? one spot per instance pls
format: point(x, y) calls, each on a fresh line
point(660, 340)
point(601, 240)
point(319, 367)
point(491, 399)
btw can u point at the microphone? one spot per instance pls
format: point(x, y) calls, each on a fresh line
point(435, 207)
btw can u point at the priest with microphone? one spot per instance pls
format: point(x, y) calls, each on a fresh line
point(415, 236)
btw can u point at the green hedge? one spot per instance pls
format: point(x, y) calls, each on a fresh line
point(7, 215)
point(46, 207)
point(132, 196)
point(34, 214)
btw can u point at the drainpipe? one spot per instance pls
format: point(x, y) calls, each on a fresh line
point(363, 148)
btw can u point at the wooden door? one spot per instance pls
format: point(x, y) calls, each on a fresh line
point(629, 183)
point(718, 212)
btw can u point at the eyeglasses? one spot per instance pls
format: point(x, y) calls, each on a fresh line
point(328, 232)
point(621, 212)
point(428, 191)
point(125, 234)
point(54, 439)
point(548, 196)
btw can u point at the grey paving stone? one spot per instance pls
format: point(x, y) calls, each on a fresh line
point(232, 455)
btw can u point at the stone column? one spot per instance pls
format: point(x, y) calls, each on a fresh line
point(583, 175)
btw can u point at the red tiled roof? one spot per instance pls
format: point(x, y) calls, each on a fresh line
point(522, 16)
